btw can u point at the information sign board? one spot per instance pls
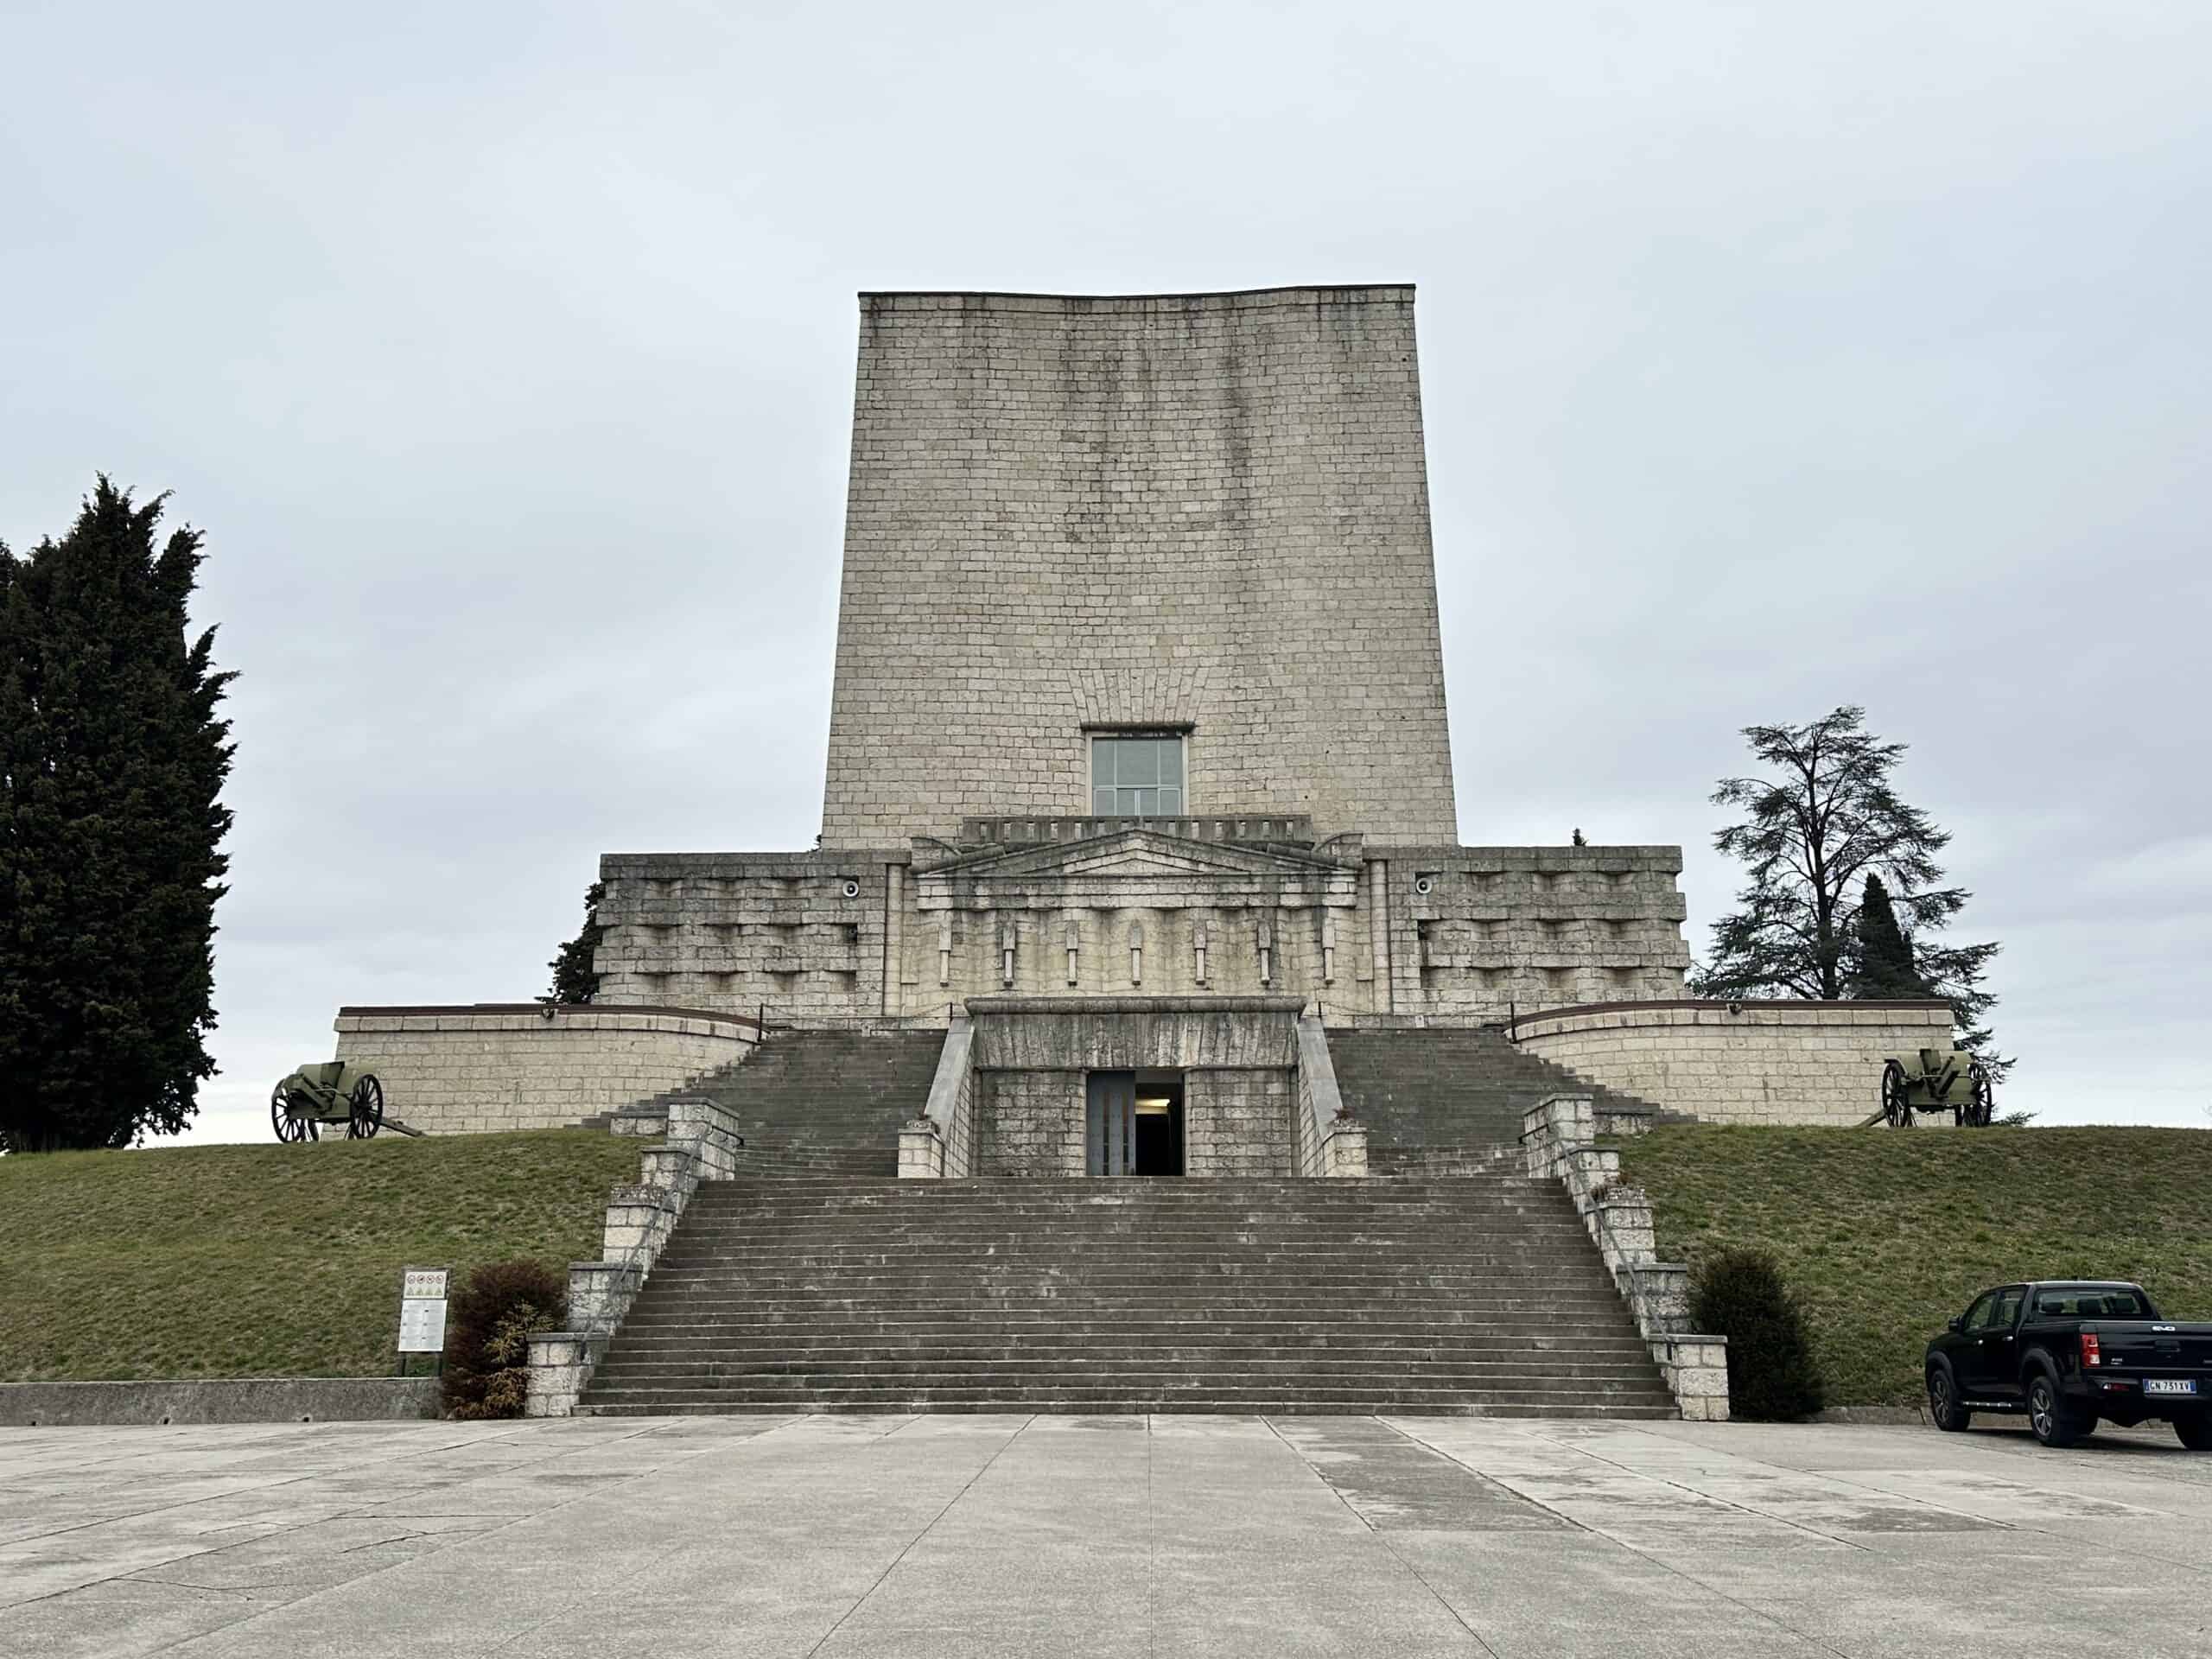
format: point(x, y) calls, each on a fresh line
point(422, 1311)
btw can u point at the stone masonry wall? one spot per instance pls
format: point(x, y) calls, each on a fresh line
point(1787, 1063)
point(1239, 1123)
point(1030, 1122)
point(1207, 511)
point(799, 934)
point(1498, 930)
point(506, 1066)
point(1476, 932)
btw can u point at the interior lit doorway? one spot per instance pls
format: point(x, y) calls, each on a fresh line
point(1134, 1123)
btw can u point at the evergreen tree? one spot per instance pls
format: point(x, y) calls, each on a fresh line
point(573, 978)
point(1882, 966)
point(1812, 833)
point(111, 768)
point(1773, 1376)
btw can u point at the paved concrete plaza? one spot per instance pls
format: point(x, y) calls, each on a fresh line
point(1034, 1535)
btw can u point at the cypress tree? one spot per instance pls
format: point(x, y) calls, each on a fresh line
point(1883, 964)
point(112, 767)
point(574, 980)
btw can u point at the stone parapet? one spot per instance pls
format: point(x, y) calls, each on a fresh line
point(941, 1143)
point(561, 1362)
point(702, 1144)
point(1798, 1063)
point(483, 1066)
point(1292, 829)
point(1556, 1136)
point(160, 1400)
point(1329, 1141)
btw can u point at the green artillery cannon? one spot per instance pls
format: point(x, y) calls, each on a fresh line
point(1934, 1078)
point(326, 1091)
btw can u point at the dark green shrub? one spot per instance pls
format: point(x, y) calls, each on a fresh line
point(1772, 1376)
point(489, 1321)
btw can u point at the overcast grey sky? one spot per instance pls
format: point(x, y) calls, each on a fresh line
point(1775, 356)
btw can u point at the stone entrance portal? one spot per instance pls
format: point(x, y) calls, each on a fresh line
point(1133, 1123)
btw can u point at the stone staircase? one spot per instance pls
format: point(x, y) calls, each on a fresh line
point(1479, 1294)
point(823, 1103)
point(1442, 1101)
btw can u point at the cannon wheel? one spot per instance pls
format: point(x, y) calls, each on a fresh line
point(368, 1109)
point(289, 1129)
point(1897, 1103)
point(1981, 1103)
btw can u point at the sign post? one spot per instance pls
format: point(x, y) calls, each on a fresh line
point(422, 1315)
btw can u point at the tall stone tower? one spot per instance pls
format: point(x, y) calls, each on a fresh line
point(1140, 695)
point(1202, 517)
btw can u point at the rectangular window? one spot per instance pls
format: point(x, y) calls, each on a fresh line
point(1137, 777)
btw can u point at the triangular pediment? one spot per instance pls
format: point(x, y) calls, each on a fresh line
point(1135, 854)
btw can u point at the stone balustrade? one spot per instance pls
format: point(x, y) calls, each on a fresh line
point(1557, 1137)
point(1293, 829)
point(701, 1143)
point(940, 1144)
point(1331, 1142)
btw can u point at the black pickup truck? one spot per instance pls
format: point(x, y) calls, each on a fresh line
point(2070, 1353)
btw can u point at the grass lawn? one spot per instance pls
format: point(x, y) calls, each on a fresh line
point(1885, 1235)
point(272, 1261)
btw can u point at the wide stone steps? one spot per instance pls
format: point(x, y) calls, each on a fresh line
point(1153, 1370)
point(649, 1348)
point(827, 1103)
point(1271, 1400)
point(1499, 1325)
point(1449, 1091)
point(1472, 1295)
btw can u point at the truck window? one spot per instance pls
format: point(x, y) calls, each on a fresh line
point(1999, 1311)
point(2092, 1302)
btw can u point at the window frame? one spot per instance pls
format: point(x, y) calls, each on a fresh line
point(1178, 734)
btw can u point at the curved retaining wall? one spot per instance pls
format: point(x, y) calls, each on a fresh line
point(507, 1065)
point(1787, 1063)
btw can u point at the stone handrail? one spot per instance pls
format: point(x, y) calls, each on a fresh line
point(1330, 1141)
point(1557, 1136)
point(940, 1144)
point(701, 1143)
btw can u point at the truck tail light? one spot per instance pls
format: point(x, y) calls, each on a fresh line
point(2092, 1352)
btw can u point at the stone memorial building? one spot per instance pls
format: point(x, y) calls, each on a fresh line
point(1139, 734)
point(1140, 857)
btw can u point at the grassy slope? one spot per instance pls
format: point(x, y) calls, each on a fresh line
point(1886, 1235)
point(272, 1261)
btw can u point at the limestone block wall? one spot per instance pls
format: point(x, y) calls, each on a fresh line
point(800, 934)
point(1442, 933)
point(507, 1066)
point(1475, 932)
point(1029, 1123)
point(1239, 1123)
point(1777, 1062)
point(1202, 512)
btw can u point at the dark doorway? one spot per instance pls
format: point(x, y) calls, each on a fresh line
point(1134, 1123)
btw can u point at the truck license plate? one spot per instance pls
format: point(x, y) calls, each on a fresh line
point(2170, 1385)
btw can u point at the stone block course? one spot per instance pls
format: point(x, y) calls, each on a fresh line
point(470, 1069)
point(1778, 1062)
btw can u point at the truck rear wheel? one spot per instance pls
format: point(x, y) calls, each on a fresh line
point(2055, 1422)
point(1944, 1409)
point(2196, 1432)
